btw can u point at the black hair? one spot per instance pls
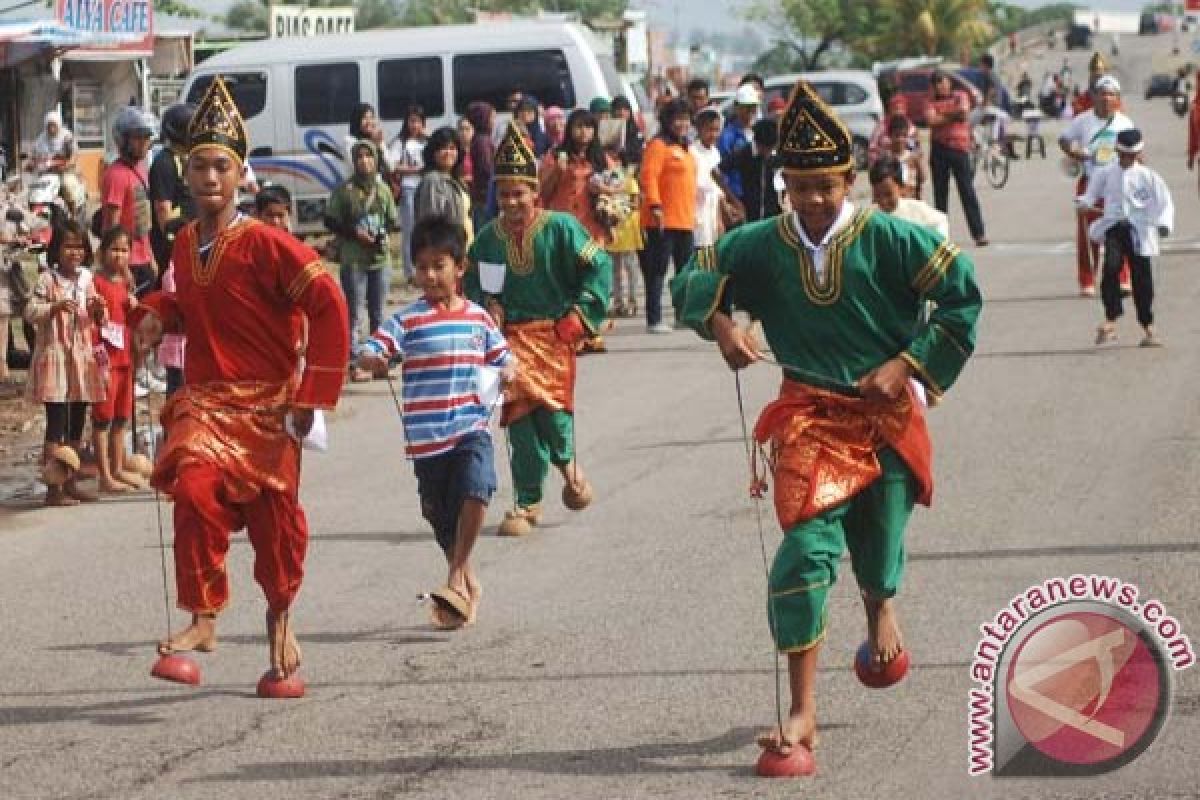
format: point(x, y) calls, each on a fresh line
point(272, 193)
point(886, 166)
point(752, 77)
point(898, 123)
point(413, 109)
point(696, 84)
point(706, 114)
point(673, 109)
point(621, 101)
point(112, 234)
point(69, 227)
point(356, 119)
point(442, 235)
point(766, 133)
point(594, 152)
point(437, 141)
point(987, 60)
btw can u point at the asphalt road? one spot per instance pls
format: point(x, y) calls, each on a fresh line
point(623, 652)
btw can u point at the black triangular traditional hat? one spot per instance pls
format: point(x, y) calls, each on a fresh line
point(218, 122)
point(515, 159)
point(811, 137)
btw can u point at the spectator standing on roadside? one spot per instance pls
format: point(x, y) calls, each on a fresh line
point(739, 131)
point(171, 202)
point(668, 206)
point(950, 152)
point(635, 143)
point(125, 193)
point(698, 97)
point(442, 192)
point(482, 117)
point(556, 125)
point(364, 125)
point(407, 158)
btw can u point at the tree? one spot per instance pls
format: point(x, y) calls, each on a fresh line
point(255, 15)
point(809, 28)
point(935, 27)
point(447, 12)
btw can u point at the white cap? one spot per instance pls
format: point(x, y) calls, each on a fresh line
point(1107, 83)
point(746, 95)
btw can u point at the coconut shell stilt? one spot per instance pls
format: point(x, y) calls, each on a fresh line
point(888, 675)
point(177, 669)
point(272, 687)
point(796, 763)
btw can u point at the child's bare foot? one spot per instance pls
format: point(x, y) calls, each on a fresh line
point(475, 591)
point(131, 479)
point(113, 486)
point(285, 650)
point(883, 630)
point(201, 635)
point(800, 728)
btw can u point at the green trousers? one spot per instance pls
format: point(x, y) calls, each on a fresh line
point(539, 439)
point(871, 524)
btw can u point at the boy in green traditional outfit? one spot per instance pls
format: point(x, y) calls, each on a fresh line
point(546, 283)
point(839, 292)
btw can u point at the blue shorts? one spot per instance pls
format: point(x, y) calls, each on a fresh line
point(445, 481)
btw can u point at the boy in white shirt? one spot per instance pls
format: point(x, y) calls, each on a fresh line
point(1137, 211)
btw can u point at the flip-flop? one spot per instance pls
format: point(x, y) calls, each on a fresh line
point(452, 609)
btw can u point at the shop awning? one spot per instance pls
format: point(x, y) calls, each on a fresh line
point(23, 40)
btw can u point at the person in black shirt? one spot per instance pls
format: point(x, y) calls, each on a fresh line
point(170, 202)
point(755, 162)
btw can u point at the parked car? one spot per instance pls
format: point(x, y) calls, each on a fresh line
point(913, 86)
point(1160, 85)
point(1079, 37)
point(852, 93)
point(297, 98)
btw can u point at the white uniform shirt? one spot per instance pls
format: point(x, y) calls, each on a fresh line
point(1137, 195)
point(817, 251)
point(1097, 137)
point(708, 194)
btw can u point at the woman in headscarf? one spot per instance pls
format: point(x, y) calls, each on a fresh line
point(365, 126)
point(54, 151)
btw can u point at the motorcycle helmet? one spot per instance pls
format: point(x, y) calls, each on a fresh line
point(175, 122)
point(133, 120)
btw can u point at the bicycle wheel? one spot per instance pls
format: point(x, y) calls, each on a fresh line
point(997, 168)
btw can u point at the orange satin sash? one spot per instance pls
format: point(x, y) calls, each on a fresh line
point(545, 370)
point(823, 447)
point(236, 427)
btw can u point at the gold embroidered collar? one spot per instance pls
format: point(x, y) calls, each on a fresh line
point(519, 254)
point(823, 289)
point(204, 270)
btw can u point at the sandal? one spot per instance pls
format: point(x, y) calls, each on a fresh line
point(451, 609)
point(1106, 334)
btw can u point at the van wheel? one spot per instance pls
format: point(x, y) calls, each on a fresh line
point(860, 153)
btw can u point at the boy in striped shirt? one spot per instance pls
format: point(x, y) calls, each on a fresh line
point(446, 343)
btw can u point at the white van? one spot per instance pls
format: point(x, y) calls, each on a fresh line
point(297, 95)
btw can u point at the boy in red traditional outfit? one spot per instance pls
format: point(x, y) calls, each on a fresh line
point(229, 461)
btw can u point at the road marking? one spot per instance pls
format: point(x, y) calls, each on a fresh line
point(1168, 247)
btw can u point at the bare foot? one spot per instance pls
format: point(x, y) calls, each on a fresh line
point(201, 636)
point(475, 592)
point(285, 650)
point(883, 630)
point(113, 486)
point(800, 728)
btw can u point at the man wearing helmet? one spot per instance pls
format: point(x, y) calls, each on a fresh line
point(171, 203)
point(125, 192)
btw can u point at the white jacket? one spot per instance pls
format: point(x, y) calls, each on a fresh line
point(1137, 195)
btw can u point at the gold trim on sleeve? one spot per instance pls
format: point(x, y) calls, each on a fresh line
point(922, 373)
point(307, 275)
point(930, 274)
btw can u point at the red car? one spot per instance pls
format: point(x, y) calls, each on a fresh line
point(913, 85)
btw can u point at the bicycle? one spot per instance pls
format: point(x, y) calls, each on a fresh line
point(989, 151)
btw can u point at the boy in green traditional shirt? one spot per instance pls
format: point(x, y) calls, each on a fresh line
point(546, 282)
point(839, 292)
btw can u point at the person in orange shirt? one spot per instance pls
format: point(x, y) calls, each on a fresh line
point(668, 206)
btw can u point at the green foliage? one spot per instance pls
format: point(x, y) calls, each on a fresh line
point(178, 8)
point(446, 12)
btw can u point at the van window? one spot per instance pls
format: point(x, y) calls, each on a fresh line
point(405, 82)
point(249, 90)
point(493, 76)
point(326, 94)
point(828, 92)
point(915, 82)
point(855, 94)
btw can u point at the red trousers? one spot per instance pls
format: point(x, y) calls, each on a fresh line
point(1087, 252)
point(204, 520)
